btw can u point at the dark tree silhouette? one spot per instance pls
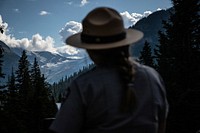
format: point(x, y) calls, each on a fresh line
point(178, 56)
point(28, 100)
point(146, 56)
point(23, 85)
point(1, 30)
point(12, 107)
point(43, 105)
point(2, 75)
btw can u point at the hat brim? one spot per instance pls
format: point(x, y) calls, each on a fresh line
point(132, 36)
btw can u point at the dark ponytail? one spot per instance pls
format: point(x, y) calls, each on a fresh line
point(119, 58)
point(127, 72)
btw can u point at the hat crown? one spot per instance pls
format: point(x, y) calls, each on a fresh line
point(103, 22)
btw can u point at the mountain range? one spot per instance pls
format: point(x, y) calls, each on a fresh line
point(150, 26)
point(56, 66)
point(53, 65)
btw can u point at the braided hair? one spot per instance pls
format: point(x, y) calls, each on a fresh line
point(119, 58)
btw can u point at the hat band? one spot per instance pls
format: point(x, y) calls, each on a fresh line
point(102, 39)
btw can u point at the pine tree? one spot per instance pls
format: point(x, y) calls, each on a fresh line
point(2, 75)
point(165, 59)
point(12, 107)
point(13, 95)
point(23, 85)
point(2, 95)
point(146, 56)
point(43, 106)
point(1, 62)
point(23, 77)
point(178, 56)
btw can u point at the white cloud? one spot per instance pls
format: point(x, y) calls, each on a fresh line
point(37, 43)
point(147, 13)
point(16, 10)
point(4, 25)
point(43, 13)
point(67, 49)
point(159, 9)
point(84, 2)
point(131, 19)
point(70, 28)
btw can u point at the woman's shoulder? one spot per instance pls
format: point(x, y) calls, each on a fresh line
point(150, 71)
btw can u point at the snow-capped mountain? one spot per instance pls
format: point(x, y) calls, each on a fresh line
point(53, 65)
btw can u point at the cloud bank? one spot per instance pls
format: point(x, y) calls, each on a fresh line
point(132, 18)
point(73, 27)
point(39, 43)
point(36, 43)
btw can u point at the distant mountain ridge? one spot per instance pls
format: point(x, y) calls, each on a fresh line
point(55, 66)
point(150, 26)
point(10, 60)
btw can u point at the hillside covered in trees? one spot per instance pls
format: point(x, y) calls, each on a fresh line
point(26, 100)
point(177, 59)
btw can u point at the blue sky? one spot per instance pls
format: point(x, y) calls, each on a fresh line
point(44, 24)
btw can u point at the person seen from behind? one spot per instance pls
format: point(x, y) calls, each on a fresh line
point(118, 95)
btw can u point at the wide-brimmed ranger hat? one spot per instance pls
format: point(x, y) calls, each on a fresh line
point(103, 28)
